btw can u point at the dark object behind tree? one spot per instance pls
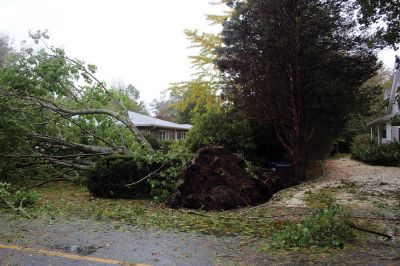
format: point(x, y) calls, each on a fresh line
point(216, 179)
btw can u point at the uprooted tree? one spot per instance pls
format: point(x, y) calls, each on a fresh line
point(55, 113)
point(296, 65)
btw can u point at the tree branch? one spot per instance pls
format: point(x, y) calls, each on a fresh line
point(352, 225)
point(54, 156)
point(81, 147)
point(127, 120)
point(57, 178)
point(70, 113)
point(69, 164)
point(147, 176)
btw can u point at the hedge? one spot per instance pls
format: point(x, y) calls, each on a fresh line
point(363, 149)
point(110, 175)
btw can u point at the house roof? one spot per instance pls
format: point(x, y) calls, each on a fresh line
point(382, 120)
point(393, 114)
point(147, 121)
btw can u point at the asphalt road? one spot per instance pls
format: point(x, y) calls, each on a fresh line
point(12, 257)
point(85, 242)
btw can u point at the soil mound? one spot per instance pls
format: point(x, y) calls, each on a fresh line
point(216, 179)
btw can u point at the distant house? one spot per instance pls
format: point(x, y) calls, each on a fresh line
point(158, 128)
point(387, 129)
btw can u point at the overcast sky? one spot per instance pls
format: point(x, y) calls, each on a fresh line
point(139, 42)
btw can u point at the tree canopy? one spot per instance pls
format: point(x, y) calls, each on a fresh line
point(385, 14)
point(298, 66)
point(199, 95)
point(56, 113)
point(383, 18)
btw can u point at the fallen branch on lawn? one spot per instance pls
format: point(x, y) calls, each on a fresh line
point(396, 258)
point(57, 178)
point(238, 217)
point(147, 176)
point(39, 155)
point(375, 218)
point(195, 213)
point(356, 227)
point(16, 209)
point(226, 256)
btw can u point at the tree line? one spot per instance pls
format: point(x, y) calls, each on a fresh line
point(281, 81)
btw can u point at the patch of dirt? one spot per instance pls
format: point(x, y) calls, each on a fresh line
point(375, 180)
point(354, 183)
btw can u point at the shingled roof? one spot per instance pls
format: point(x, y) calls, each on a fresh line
point(147, 121)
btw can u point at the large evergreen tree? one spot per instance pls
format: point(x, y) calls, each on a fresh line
point(296, 65)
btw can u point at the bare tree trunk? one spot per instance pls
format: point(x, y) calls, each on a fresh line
point(299, 163)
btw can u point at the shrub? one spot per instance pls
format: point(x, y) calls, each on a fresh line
point(163, 183)
point(153, 141)
point(16, 198)
point(360, 146)
point(24, 198)
point(366, 151)
point(110, 174)
point(257, 142)
point(326, 228)
point(165, 145)
point(227, 130)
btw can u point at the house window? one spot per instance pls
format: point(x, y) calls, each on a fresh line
point(181, 135)
point(163, 135)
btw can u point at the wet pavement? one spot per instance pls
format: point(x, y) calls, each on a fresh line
point(103, 240)
point(87, 242)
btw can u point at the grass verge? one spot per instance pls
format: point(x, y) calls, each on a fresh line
point(69, 201)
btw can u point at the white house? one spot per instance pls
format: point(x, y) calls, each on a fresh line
point(387, 129)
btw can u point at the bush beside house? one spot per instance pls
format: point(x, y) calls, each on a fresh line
point(363, 149)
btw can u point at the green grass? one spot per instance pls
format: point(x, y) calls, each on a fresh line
point(69, 201)
point(321, 198)
point(63, 200)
